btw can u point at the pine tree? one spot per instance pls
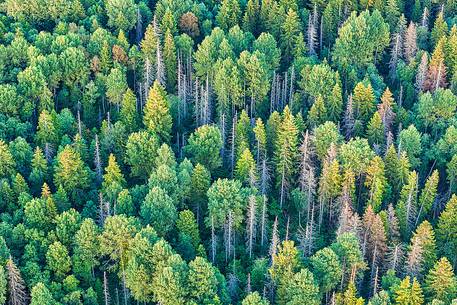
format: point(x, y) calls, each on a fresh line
point(16, 286)
point(290, 29)
point(3, 285)
point(439, 30)
point(286, 153)
point(86, 249)
point(70, 171)
point(170, 61)
point(446, 231)
point(201, 181)
point(428, 195)
point(407, 206)
point(251, 224)
point(364, 101)
point(421, 73)
point(374, 241)
point(157, 118)
point(441, 283)
point(260, 139)
point(245, 170)
point(113, 179)
point(229, 14)
point(202, 280)
point(385, 109)
point(39, 171)
point(250, 18)
point(326, 269)
point(300, 289)
point(329, 185)
point(349, 297)
point(410, 43)
point(375, 131)
point(58, 260)
point(285, 262)
point(128, 113)
point(254, 298)
point(450, 51)
point(376, 183)
point(426, 241)
point(408, 293)
point(436, 75)
point(318, 113)
point(41, 295)
point(392, 13)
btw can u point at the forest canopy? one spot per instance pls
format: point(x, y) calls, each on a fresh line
point(228, 152)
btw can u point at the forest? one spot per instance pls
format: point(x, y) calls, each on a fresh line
point(228, 152)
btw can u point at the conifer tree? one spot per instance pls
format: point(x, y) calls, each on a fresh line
point(440, 29)
point(428, 195)
point(170, 60)
point(200, 181)
point(250, 18)
point(290, 29)
point(58, 259)
point(254, 298)
point(157, 118)
point(204, 147)
point(408, 293)
point(349, 297)
point(128, 113)
point(41, 295)
point(375, 131)
point(286, 153)
point(407, 206)
point(364, 101)
point(441, 283)
point(410, 43)
point(229, 14)
point(70, 171)
point(437, 70)
point(113, 180)
point(3, 285)
point(446, 231)
point(385, 109)
point(318, 113)
point(17, 294)
point(376, 183)
point(326, 269)
point(260, 140)
point(245, 170)
point(450, 51)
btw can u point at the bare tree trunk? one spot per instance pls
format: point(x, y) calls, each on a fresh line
point(105, 289)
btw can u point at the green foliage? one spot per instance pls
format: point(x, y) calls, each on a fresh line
point(204, 147)
point(360, 40)
point(326, 268)
point(140, 152)
point(408, 293)
point(446, 230)
point(225, 201)
point(158, 210)
point(440, 283)
point(121, 14)
point(58, 260)
point(293, 119)
point(157, 118)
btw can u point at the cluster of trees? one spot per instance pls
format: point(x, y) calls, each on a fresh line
point(228, 152)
